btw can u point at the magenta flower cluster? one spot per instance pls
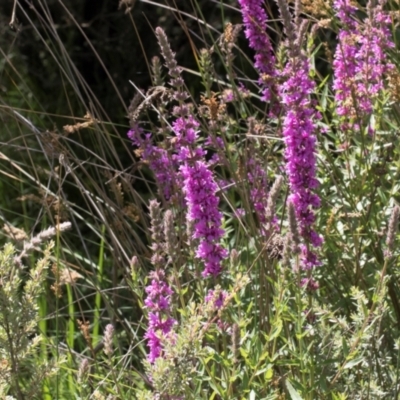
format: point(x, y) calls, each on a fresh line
point(199, 187)
point(186, 167)
point(375, 40)
point(360, 60)
point(255, 22)
point(158, 302)
point(299, 130)
point(299, 133)
point(159, 160)
point(216, 297)
point(200, 195)
point(345, 62)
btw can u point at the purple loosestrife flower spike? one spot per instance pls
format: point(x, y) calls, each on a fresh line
point(258, 185)
point(159, 160)
point(360, 60)
point(216, 297)
point(198, 183)
point(158, 302)
point(374, 41)
point(299, 132)
point(263, 204)
point(200, 194)
point(345, 61)
point(310, 284)
point(157, 233)
point(255, 22)
point(158, 292)
point(200, 190)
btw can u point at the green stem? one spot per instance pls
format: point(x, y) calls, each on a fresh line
point(96, 321)
point(70, 335)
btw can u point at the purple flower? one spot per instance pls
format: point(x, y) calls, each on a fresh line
point(374, 41)
point(200, 190)
point(310, 284)
point(255, 22)
point(200, 194)
point(155, 345)
point(160, 161)
point(299, 133)
point(160, 320)
point(300, 140)
point(194, 175)
point(217, 297)
point(360, 60)
point(345, 62)
point(228, 96)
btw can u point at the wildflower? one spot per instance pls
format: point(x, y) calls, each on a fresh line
point(255, 22)
point(345, 62)
point(186, 167)
point(228, 96)
point(310, 284)
point(300, 140)
point(160, 320)
point(200, 193)
point(299, 132)
point(159, 160)
point(234, 257)
point(360, 61)
point(262, 201)
point(374, 41)
point(216, 297)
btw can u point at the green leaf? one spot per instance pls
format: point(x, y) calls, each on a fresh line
point(260, 371)
point(339, 396)
point(244, 353)
point(292, 391)
point(352, 363)
point(269, 374)
point(276, 329)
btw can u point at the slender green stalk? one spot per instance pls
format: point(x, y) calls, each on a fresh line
point(97, 301)
point(70, 336)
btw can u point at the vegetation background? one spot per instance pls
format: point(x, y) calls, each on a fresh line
point(72, 312)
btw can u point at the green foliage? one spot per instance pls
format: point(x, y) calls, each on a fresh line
point(272, 338)
point(22, 370)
